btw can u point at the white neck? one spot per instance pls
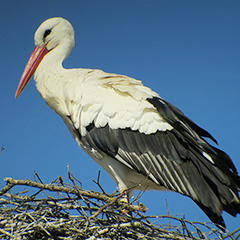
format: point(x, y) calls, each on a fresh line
point(50, 72)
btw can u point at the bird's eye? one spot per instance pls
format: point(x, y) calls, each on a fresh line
point(47, 32)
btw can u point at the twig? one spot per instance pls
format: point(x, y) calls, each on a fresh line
point(38, 177)
point(6, 188)
point(2, 149)
point(98, 182)
point(108, 204)
point(6, 233)
point(167, 212)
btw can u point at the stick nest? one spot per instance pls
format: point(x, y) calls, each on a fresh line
point(65, 211)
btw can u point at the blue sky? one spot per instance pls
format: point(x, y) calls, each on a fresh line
point(187, 51)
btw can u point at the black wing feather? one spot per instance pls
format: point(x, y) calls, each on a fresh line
point(175, 160)
point(174, 116)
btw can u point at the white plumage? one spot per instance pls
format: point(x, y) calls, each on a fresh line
point(142, 141)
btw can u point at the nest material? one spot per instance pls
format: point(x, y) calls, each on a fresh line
point(70, 212)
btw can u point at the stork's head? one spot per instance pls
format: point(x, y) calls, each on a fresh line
point(50, 34)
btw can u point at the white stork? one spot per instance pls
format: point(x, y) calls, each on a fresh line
point(142, 141)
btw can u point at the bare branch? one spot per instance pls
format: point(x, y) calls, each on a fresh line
point(99, 216)
point(12, 182)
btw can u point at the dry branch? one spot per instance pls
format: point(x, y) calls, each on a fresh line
point(53, 188)
point(74, 213)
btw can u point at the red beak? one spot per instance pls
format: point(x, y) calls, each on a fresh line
point(32, 64)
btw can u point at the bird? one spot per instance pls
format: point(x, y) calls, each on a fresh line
point(142, 141)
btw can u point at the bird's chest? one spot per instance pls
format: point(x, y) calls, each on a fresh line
point(52, 91)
